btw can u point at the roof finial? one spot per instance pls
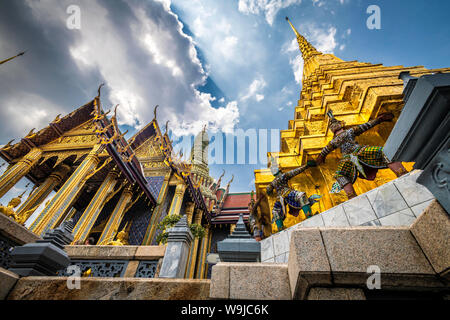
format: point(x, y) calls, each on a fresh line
point(306, 48)
point(99, 89)
point(167, 127)
point(154, 112)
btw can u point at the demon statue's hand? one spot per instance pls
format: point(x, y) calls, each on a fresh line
point(386, 116)
point(320, 159)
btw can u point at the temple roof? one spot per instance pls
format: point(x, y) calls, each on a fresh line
point(53, 131)
point(235, 203)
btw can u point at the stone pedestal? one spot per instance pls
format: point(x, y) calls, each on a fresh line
point(44, 257)
point(239, 246)
point(177, 251)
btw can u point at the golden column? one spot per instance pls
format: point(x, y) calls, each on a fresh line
point(65, 197)
point(202, 255)
point(177, 199)
point(190, 206)
point(19, 170)
point(41, 193)
point(151, 230)
point(90, 215)
point(190, 266)
point(112, 226)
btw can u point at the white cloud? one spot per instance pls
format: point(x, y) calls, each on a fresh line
point(168, 73)
point(228, 47)
point(26, 111)
point(254, 90)
point(269, 8)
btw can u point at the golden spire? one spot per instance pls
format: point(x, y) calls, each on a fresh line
point(306, 48)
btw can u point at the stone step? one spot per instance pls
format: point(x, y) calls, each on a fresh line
point(396, 203)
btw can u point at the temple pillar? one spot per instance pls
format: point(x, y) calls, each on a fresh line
point(232, 227)
point(90, 215)
point(16, 172)
point(190, 206)
point(65, 197)
point(202, 255)
point(151, 229)
point(35, 199)
point(177, 199)
point(112, 226)
point(190, 267)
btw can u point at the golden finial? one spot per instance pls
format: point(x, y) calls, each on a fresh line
point(154, 112)
point(306, 48)
point(57, 119)
point(8, 145)
point(31, 134)
point(167, 126)
point(99, 89)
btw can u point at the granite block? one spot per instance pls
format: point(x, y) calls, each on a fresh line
point(335, 217)
point(149, 252)
point(8, 280)
point(55, 288)
point(394, 250)
point(402, 218)
point(308, 263)
point(319, 293)
point(131, 269)
point(432, 230)
point(220, 281)
point(16, 232)
point(412, 192)
point(259, 281)
point(101, 252)
point(386, 200)
point(289, 232)
point(358, 211)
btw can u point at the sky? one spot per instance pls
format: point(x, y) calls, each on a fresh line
point(229, 64)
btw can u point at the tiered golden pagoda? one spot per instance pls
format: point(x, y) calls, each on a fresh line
point(356, 92)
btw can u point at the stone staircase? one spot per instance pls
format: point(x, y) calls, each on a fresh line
point(396, 203)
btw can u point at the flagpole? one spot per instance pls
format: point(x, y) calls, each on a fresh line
point(20, 54)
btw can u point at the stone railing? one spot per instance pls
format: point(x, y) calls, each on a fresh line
point(11, 235)
point(116, 261)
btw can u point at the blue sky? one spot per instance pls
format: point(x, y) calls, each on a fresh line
point(228, 64)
